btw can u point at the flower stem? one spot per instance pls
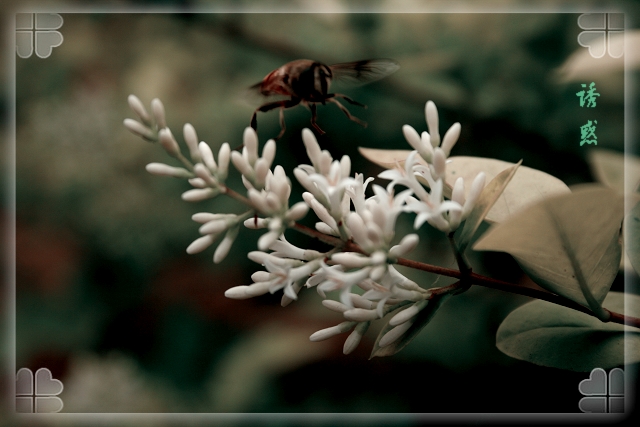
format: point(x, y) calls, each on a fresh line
point(237, 196)
point(463, 264)
point(475, 279)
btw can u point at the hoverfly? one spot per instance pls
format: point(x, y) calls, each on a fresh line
point(307, 82)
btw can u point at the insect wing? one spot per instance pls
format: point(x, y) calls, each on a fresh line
point(365, 71)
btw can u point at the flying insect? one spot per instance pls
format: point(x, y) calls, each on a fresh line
point(307, 82)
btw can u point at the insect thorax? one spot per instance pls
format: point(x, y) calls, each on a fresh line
point(312, 82)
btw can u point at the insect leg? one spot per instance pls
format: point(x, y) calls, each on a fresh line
point(344, 110)
point(283, 127)
point(314, 116)
point(286, 103)
point(264, 108)
point(346, 98)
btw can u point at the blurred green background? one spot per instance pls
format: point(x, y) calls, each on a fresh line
point(109, 301)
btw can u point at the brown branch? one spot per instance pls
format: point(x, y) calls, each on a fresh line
point(476, 279)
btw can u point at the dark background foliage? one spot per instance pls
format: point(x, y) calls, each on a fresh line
point(107, 298)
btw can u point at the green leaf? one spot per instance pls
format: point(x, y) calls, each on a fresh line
point(527, 185)
point(421, 320)
point(554, 236)
point(552, 335)
point(632, 237)
point(609, 167)
point(485, 202)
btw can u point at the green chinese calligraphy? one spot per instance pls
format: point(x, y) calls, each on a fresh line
point(588, 96)
point(588, 133)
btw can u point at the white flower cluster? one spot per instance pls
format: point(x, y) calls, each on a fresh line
point(203, 172)
point(331, 194)
point(268, 191)
point(431, 206)
point(362, 228)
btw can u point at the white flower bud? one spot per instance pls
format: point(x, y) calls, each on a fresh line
point(319, 210)
point(166, 170)
point(237, 292)
point(223, 248)
point(325, 229)
point(407, 313)
point(378, 272)
point(354, 337)
point(312, 147)
point(258, 201)
point(168, 142)
point(191, 139)
point(407, 295)
point(427, 148)
point(324, 334)
point(250, 142)
point(200, 244)
point(258, 257)
point(256, 223)
point(303, 178)
point(158, 111)
point(290, 293)
point(197, 182)
point(378, 257)
point(282, 248)
point(439, 163)
point(395, 333)
point(257, 289)
point(412, 137)
point(450, 138)
point(274, 204)
point(138, 108)
point(261, 276)
point(199, 194)
point(241, 164)
point(325, 162)
point(440, 223)
point(358, 230)
point(458, 191)
point(379, 213)
point(214, 227)
point(351, 260)
point(204, 217)
point(269, 152)
point(360, 302)
point(204, 174)
point(374, 234)
point(360, 314)
point(406, 245)
point(275, 224)
point(280, 187)
point(335, 305)
point(267, 239)
point(476, 189)
point(431, 113)
point(262, 171)
point(223, 161)
point(455, 218)
point(345, 166)
point(207, 156)
point(297, 211)
point(139, 129)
